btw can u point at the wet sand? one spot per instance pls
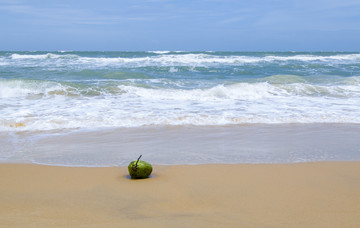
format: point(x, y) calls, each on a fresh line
point(266, 195)
point(177, 145)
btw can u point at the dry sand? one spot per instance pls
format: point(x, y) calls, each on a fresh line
point(281, 195)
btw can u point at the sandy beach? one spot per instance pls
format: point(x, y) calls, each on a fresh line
point(267, 195)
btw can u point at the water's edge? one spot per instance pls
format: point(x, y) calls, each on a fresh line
point(174, 145)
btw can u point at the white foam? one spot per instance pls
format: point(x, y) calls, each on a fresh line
point(166, 59)
point(246, 91)
point(191, 59)
point(41, 56)
point(307, 58)
point(24, 88)
point(134, 106)
point(159, 52)
point(173, 70)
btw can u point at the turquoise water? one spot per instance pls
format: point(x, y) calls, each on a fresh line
point(92, 108)
point(72, 90)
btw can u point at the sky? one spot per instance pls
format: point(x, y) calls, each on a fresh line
point(196, 25)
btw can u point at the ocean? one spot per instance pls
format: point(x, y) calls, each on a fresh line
point(175, 107)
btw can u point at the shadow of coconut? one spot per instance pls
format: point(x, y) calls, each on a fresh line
point(129, 177)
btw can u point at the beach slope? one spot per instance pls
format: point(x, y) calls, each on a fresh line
point(265, 195)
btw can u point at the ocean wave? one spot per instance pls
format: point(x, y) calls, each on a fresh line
point(165, 58)
point(167, 52)
point(38, 89)
point(241, 91)
point(159, 52)
point(283, 79)
point(309, 58)
point(23, 88)
point(245, 92)
point(268, 87)
point(210, 60)
point(91, 114)
point(42, 56)
point(29, 105)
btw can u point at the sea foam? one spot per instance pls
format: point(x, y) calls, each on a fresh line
point(172, 59)
point(46, 105)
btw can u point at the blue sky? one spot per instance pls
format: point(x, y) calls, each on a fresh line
point(135, 25)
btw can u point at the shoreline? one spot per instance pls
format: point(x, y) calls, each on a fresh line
point(311, 194)
point(173, 145)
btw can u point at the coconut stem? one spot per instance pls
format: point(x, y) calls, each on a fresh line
point(137, 162)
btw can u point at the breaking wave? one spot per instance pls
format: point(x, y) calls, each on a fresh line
point(166, 58)
point(47, 105)
point(277, 85)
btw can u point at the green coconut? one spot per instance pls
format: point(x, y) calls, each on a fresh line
point(139, 169)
